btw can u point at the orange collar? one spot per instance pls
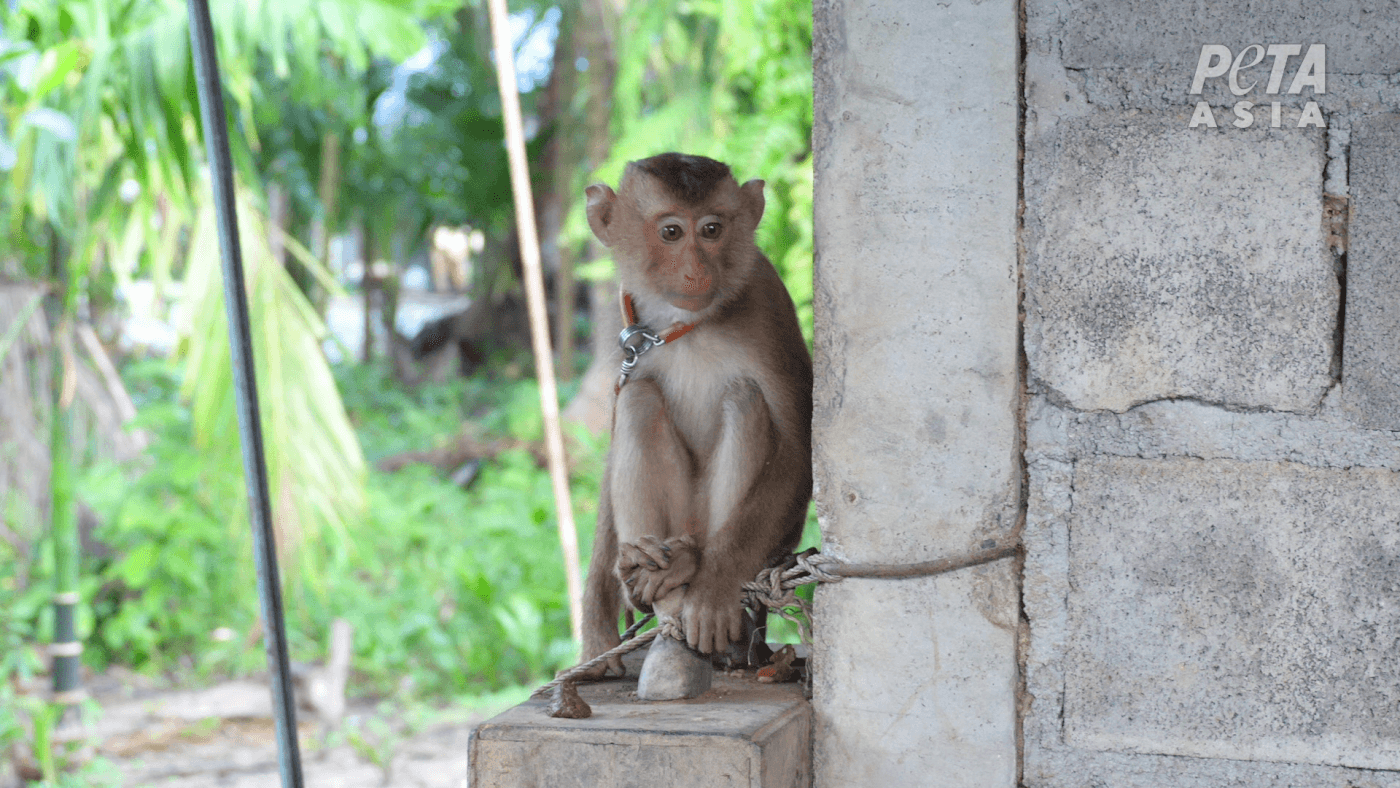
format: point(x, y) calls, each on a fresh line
point(629, 318)
point(635, 339)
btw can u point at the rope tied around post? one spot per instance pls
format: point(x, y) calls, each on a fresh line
point(773, 588)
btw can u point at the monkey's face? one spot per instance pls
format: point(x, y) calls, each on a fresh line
point(691, 254)
point(686, 249)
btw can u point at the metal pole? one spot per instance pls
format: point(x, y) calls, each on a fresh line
point(211, 104)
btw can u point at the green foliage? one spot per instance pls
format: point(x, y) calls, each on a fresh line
point(33, 720)
point(181, 565)
point(460, 591)
point(314, 464)
point(99, 91)
point(439, 158)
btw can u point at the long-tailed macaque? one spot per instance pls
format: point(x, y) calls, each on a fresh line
point(709, 472)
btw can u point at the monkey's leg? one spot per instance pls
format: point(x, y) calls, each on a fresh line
point(601, 599)
point(752, 485)
point(649, 476)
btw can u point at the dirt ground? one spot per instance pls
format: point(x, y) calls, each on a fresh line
point(223, 736)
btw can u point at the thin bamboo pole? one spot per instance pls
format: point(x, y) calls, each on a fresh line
point(534, 296)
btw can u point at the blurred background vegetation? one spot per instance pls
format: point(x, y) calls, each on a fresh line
point(402, 425)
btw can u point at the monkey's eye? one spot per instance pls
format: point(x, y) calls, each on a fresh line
point(711, 230)
point(671, 233)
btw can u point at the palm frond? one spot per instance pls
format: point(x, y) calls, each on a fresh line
point(315, 465)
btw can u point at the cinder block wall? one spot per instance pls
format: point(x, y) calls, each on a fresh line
point(1213, 339)
point(1166, 358)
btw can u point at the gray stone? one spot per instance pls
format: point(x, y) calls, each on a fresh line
point(1169, 262)
point(1216, 610)
point(915, 288)
point(740, 734)
point(1362, 36)
point(914, 680)
point(673, 671)
point(1371, 352)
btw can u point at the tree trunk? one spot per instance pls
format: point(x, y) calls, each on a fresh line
point(558, 162)
point(367, 282)
point(279, 217)
point(324, 226)
point(597, 25)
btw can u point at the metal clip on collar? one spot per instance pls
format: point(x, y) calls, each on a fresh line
point(634, 341)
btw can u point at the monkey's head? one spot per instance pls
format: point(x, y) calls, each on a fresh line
point(681, 229)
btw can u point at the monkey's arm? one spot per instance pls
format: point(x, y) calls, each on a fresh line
point(759, 485)
point(601, 602)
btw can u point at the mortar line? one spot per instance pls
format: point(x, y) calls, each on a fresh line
point(1022, 642)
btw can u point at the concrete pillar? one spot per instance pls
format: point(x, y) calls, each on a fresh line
point(916, 441)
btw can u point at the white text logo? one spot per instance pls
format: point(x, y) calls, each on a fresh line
point(1215, 61)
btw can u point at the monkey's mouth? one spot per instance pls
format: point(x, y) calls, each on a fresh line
point(691, 302)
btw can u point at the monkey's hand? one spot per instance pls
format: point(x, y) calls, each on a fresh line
point(651, 568)
point(712, 613)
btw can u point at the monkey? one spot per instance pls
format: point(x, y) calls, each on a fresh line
point(709, 471)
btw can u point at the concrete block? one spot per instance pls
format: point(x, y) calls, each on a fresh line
point(914, 681)
point(1169, 262)
point(740, 734)
point(1371, 346)
point(1229, 610)
point(915, 276)
point(1362, 36)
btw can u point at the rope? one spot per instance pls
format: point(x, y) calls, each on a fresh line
point(631, 641)
point(773, 588)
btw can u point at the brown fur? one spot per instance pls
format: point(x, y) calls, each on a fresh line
point(709, 472)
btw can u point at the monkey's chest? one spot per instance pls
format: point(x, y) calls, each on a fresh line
point(693, 382)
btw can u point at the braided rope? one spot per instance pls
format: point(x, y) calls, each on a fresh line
point(631, 641)
point(773, 588)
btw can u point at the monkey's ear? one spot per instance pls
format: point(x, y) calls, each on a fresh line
point(752, 194)
point(601, 200)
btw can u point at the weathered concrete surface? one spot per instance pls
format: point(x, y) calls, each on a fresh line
point(1361, 35)
point(1168, 262)
point(1114, 70)
point(915, 428)
point(1371, 352)
point(1235, 610)
point(739, 734)
point(914, 681)
point(915, 276)
point(1224, 611)
point(1178, 428)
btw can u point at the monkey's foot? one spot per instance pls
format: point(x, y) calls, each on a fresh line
point(673, 671)
point(749, 652)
